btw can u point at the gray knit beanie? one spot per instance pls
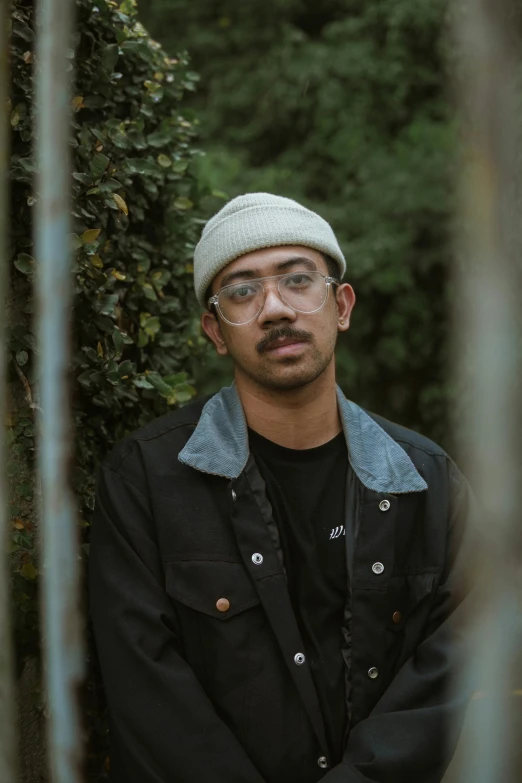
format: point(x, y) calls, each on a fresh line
point(252, 222)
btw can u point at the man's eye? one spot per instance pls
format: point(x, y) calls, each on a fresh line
point(241, 292)
point(298, 280)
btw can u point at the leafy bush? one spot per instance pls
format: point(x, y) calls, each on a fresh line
point(341, 105)
point(135, 204)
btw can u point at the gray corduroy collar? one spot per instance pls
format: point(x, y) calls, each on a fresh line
point(219, 445)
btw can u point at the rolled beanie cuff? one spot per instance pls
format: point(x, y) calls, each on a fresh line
point(228, 237)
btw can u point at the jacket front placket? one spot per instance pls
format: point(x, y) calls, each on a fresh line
point(374, 549)
point(264, 563)
point(372, 573)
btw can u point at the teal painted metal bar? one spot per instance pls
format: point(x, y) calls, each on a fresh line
point(61, 618)
point(8, 748)
point(488, 320)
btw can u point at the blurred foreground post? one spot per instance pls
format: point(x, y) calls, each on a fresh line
point(61, 620)
point(488, 324)
point(8, 749)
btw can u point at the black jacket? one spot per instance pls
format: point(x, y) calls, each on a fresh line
point(198, 695)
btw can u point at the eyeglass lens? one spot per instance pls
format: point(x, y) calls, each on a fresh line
point(304, 292)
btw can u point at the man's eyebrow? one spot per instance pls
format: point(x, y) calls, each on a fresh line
point(250, 274)
point(241, 274)
point(303, 260)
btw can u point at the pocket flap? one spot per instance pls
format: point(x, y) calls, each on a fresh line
point(409, 593)
point(201, 584)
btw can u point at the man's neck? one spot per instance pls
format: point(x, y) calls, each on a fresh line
point(298, 419)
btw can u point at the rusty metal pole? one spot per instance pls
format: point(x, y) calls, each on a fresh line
point(61, 617)
point(8, 746)
point(488, 328)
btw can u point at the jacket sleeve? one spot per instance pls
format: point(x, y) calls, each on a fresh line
point(412, 732)
point(163, 726)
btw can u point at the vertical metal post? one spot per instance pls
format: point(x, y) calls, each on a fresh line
point(8, 747)
point(488, 320)
point(61, 617)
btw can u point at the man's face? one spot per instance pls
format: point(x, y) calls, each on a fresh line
point(280, 349)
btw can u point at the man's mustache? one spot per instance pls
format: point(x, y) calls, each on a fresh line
point(281, 333)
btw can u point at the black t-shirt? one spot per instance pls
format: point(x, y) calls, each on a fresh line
point(306, 489)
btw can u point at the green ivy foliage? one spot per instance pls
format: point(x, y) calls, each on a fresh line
point(342, 105)
point(135, 210)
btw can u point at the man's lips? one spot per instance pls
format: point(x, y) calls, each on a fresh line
point(285, 346)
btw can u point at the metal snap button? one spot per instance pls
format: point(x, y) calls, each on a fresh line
point(299, 659)
point(257, 558)
point(377, 568)
point(322, 762)
point(384, 505)
point(397, 617)
point(234, 496)
point(373, 673)
point(222, 604)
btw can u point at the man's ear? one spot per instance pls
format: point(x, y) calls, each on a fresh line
point(345, 297)
point(211, 327)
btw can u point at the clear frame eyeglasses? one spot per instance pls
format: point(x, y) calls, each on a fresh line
point(305, 291)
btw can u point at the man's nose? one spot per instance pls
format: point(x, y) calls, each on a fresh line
point(274, 309)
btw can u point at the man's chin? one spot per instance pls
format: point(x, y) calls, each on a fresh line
point(286, 377)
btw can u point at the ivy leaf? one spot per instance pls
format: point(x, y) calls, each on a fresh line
point(77, 103)
point(29, 571)
point(149, 292)
point(183, 203)
point(180, 166)
point(141, 382)
point(108, 185)
point(176, 378)
point(160, 138)
point(151, 326)
point(27, 164)
point(94, 102)
point(99, 165)
point(126, 368)
point(22, 30)
point(118, 341)
point(120, 203)
point(137, 139)
point(90, 236)
point(164, 161)
point(140, 166)
point(184, 393)
point(83, 178)
point(75, 242)
point(106, 305)
point(159, 384)
point(25, 263)
point(24, 490)
point(22, 357)
point(110, 57)
point(85, 378)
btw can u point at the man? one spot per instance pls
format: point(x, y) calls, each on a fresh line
point(274, 572)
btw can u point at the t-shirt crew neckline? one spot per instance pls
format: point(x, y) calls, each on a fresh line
point(316, 452)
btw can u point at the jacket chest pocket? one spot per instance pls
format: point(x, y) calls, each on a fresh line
point(221, 624)
point(219, 589)
point(410, 598)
